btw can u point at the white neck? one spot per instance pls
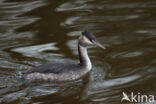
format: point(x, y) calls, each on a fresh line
point(84, 58)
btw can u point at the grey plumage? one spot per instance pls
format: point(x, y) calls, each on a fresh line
point(56, 68)
point(55, 72)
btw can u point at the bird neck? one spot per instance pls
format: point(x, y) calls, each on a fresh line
point(84, 58)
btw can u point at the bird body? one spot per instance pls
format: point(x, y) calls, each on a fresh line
point(56, 72)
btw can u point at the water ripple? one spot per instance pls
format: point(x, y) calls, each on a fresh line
point(74, 5)
point(35, 51)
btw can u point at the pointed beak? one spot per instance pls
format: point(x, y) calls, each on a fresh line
point(98, 44)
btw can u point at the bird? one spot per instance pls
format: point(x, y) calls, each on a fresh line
point(65, 71)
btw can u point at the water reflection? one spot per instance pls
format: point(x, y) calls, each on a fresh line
point(36, 32)
point(32, 51)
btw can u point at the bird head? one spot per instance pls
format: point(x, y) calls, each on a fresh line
point(87, 39)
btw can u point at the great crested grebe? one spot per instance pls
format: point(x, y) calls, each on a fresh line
point(65, 71)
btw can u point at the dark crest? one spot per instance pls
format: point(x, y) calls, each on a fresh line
point(89, 35)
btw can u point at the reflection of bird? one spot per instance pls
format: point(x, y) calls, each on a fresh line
point(125, 97)
point(65, 71)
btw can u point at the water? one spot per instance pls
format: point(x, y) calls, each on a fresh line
point(33, 32)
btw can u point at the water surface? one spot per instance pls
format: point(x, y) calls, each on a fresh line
point(41, 31)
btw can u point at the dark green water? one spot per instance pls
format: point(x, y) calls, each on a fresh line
point(33, 32)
